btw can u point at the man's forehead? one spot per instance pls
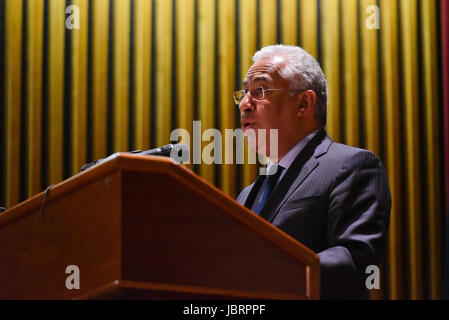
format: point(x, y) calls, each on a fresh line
point(265, 70)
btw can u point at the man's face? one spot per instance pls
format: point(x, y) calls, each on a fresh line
point(277, 110)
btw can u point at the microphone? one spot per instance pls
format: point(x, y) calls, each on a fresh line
point(161, 151)
point(180, 154)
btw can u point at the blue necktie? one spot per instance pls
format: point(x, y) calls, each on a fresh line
point(269, 186)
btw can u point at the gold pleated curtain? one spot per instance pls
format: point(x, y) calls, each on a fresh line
point(137, 69)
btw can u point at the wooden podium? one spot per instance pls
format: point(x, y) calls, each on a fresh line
point(144, 227)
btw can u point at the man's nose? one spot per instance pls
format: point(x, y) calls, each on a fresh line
point(247, 104)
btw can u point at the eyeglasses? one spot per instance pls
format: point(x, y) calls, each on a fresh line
point(256, 94)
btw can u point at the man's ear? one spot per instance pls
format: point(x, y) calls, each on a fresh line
point(306, 102)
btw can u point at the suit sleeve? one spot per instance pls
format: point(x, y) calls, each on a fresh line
point(358, 217)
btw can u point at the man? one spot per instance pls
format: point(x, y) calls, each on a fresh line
point(331, 197)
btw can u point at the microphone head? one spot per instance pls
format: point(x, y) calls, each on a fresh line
point(166, 150)
point(178, 152)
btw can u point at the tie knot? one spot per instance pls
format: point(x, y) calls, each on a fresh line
point(274, 172)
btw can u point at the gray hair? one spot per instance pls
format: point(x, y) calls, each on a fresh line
point(303, 71)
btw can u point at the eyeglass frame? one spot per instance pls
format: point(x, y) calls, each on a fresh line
point(263, 93)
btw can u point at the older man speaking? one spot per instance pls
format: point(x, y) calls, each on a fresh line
point(331, 197)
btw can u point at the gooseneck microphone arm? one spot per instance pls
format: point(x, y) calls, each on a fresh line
point(164, 151)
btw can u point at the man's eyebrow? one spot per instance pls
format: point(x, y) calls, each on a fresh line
point(257, 78)
point(261, 78)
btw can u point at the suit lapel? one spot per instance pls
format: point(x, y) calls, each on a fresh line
point(308, 167)
point(300, 169)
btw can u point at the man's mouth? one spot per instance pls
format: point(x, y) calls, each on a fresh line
point(247, 125)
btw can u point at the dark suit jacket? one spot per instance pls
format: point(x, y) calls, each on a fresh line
point(337, 204)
